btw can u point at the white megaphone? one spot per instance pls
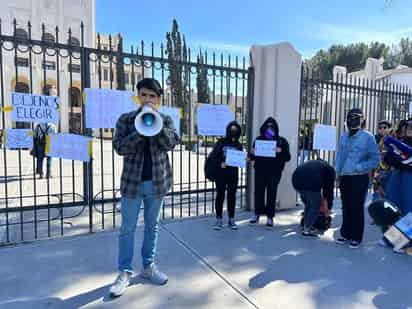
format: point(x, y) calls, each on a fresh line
point(148, 122)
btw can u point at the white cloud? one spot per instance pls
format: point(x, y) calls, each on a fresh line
point(343, 34)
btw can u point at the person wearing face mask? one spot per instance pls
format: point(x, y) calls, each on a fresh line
point(227, 176)
point(357, 156)
point(400, 183)
point(268, 172)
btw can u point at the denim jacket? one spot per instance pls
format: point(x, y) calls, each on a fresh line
point(357, 154)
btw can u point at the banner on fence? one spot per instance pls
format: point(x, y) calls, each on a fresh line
point(324, 137)
point(212, 120)
point(28, 107)
point(18, 138)
point(103, 107)
point(69, 146)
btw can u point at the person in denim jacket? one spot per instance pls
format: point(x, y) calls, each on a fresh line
point(357, 156)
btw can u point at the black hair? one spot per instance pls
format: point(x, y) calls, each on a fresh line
point(385, 122)
point(151, 84)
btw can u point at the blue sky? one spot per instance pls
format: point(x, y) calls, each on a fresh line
point(233, 26)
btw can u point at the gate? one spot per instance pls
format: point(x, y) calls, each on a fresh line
point(328, 101)
point(83, 197)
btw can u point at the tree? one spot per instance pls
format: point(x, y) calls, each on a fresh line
point(202, 84)
point(176, 51)
point(120, 65)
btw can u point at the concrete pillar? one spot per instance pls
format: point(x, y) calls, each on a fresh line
point(277, 94)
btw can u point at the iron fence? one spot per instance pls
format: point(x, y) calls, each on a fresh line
point(83, 197)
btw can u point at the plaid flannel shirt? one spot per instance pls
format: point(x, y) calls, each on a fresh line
point(128, 143)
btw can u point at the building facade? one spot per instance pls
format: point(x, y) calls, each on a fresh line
point(47, 73)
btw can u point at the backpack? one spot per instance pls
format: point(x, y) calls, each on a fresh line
point(212, 163)
point(39, 143)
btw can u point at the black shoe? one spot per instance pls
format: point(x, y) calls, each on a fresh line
point(354, 244)
point(269, 223)
point(310, 234)
point(254, 220)
point(232, 224)
point(341, 240)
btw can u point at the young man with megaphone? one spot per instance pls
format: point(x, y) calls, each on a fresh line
point(143, 137)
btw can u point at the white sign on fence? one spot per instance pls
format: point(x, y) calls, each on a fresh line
point(265, 148)
point(324, 137)
point(103, 107)
point(174, 113)
point(19, 138)
point(236, 158)
point(34, 108)
point(212, 120)
point(70, 146)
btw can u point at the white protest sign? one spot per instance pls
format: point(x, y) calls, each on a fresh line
point(174, 113)
point(103, 107)
point(396, 237)
point(410, 108)
point(19, 138)
point(34, 108)
point(69, 146)
point(265, 148)
point(212, 120)
point(236, 158)
point(324, 137)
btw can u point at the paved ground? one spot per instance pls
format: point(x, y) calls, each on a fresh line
point(250, 268)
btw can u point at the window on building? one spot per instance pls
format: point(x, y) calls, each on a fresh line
point(48, 37)
point(22, 62)
point(74, 68)
point(22, 88)
point(126, 78)
point(21, 34)
point(73, 41)
point(75, 97)
point(105, 75)
point(49, 65)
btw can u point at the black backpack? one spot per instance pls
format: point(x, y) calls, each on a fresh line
point(211, 168)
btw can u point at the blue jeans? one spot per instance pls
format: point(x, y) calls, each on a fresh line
point(399, 190)
point(130, 208)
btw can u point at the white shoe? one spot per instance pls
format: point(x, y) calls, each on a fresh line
point(154, 275)
point(120, 285)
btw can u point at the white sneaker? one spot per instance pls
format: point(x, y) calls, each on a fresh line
point(154, 275)
point(120, 285)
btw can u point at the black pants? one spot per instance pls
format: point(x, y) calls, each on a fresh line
point(266, 183)
point(353, 191)
point(226, 182)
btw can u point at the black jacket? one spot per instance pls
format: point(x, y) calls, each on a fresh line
point(272, 165)
point(222, 145)
point(316, 176)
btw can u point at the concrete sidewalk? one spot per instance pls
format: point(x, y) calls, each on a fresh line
point(249, 268)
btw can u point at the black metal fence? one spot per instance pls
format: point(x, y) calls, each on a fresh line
point(328, 101)
point(83, 197)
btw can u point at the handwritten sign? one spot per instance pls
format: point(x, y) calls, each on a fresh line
point(19, 138)
point(103, 107)
point(174, 113)
point(265, 148)
point(212, 120)
point(324, 137)
point(69, 146)
point(34, 108)
point(236, 158)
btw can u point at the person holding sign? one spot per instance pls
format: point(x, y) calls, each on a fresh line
point(146, 177)
point(400, 182)
point(227, 176)
point(41, 131)
point(269, 165)
point(358, 155)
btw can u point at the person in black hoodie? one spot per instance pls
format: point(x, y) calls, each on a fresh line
point(227, 176)
point(268, 171)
